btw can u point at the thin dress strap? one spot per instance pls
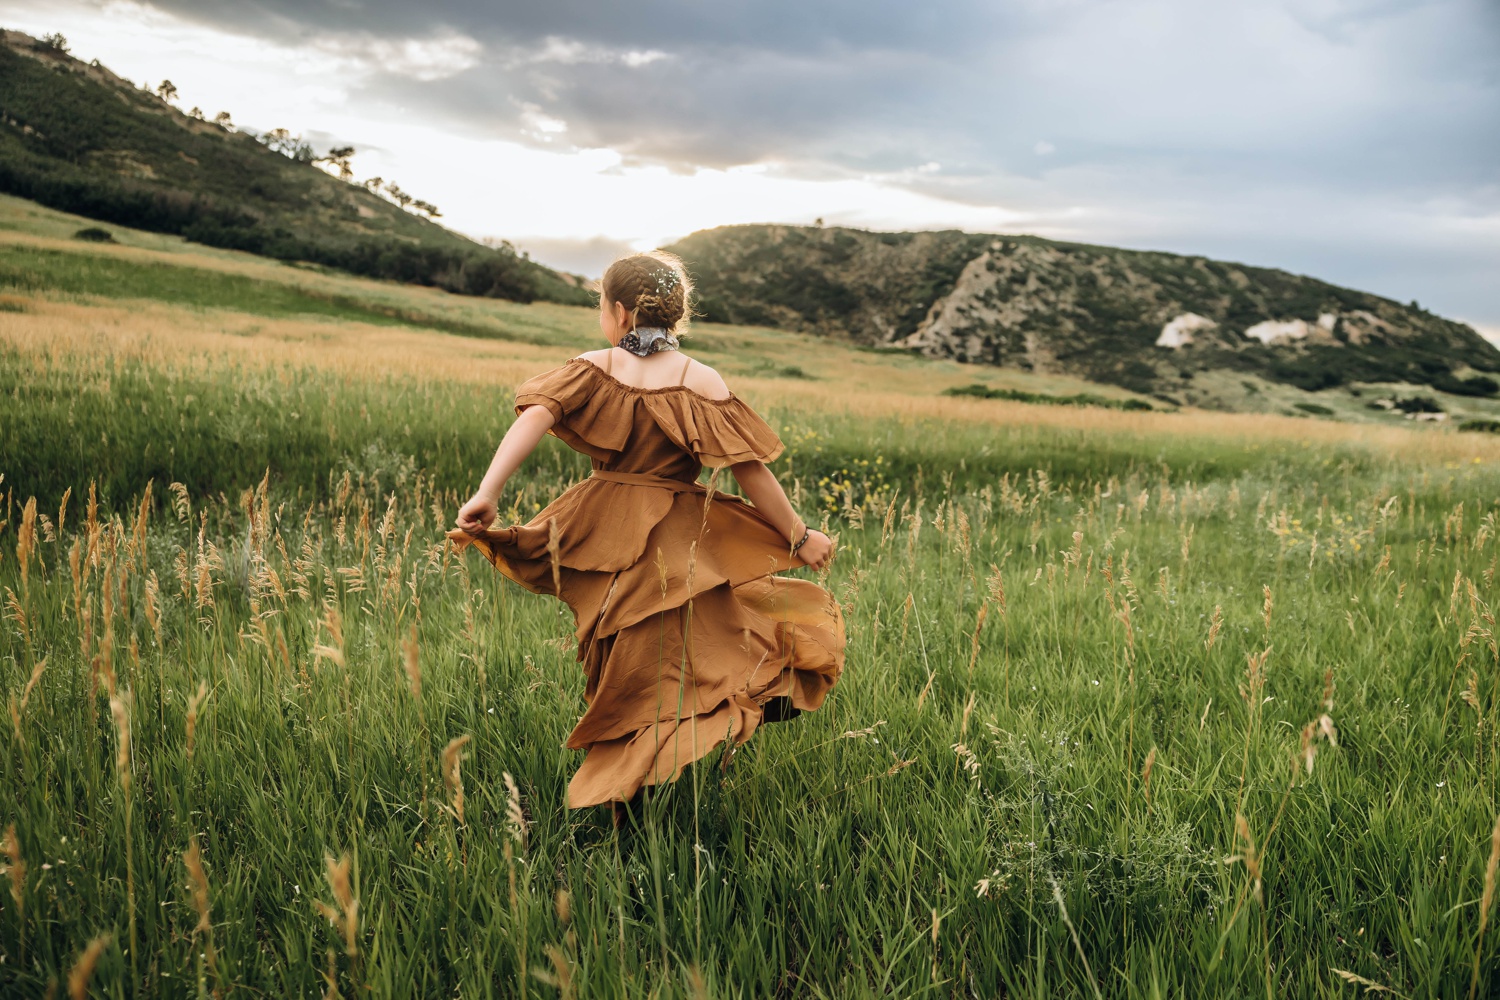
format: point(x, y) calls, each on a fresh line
point(682, 377)
point(609, 360)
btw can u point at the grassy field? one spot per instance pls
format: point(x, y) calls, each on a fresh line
point(1137, 704)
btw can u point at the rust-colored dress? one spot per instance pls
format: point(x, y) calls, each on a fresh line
point(686, 634)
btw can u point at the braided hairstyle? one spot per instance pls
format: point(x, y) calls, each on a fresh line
point(653, 287)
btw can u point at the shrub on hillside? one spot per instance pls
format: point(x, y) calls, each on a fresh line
point(1474, 385)
point(1419, 404)
point(982, 391)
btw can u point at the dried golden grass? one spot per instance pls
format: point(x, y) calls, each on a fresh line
point(867, 386)
point(343, 916)
point(198, 340)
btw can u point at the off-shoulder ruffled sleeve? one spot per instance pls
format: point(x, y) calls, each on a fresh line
point(590, 414)
point(561, 390)
point(717, 432)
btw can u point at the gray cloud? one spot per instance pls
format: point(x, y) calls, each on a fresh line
point(586, 257)
point(1255, 129)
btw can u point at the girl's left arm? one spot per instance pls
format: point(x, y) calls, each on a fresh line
point(519, 441)
point(763, 490)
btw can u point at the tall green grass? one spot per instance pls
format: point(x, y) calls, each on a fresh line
point(217, 426)
point(912, 838)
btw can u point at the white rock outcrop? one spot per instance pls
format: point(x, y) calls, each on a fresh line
point(1178, 331)
point(1277, 331)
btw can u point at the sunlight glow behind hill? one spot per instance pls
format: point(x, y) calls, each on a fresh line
point(582, 207)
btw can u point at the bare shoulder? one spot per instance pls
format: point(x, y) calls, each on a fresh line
point(705, 381)
point(595, 356)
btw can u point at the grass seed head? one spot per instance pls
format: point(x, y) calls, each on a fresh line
point(83, 969)
point(1247, 855)
point(968, 760)
point(331, 976)
point(1470, 693)
point(62, 510)
point(26, 539)
point(193, 861)
point(119, 710)
point(18, 707)
point(563, 971)
point(1369, 984)
point(1489, 876)
point(1309, 748)
point(452, 759)
point(16, 867)
point(411, 665)
point(1215, 626)
point(515, 819)
point(16, 612)
point(195, 702)
point(855, 734)
point(996, 590)
point(963, 730)
point(1255, 679)
point(344, 914)
point(334, 648)
point(182, 506)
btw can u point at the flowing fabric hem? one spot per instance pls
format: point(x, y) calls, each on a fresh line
point(615, 770)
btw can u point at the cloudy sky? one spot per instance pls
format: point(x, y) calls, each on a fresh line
point(1355, 140)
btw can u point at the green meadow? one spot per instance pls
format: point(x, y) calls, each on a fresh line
point(1136, 705)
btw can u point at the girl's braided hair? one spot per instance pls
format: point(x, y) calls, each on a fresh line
point(653, 287)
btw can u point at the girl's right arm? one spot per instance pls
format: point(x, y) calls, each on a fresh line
point(519, 441)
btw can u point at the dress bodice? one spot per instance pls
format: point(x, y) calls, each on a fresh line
point(671, 432)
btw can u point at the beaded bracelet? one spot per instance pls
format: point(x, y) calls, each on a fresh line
point(806, 532)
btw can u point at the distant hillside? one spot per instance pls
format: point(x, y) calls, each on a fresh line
point(76, 137)
point(1143, 321)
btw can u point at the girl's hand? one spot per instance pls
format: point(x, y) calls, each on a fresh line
point(817, 551)
point(476, 515)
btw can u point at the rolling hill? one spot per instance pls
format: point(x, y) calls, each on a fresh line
point(1149, 322)
point(76, 137)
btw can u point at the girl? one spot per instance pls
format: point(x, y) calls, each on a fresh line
point(686, 634)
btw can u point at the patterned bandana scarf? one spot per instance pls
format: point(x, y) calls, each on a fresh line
point(646, 341)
